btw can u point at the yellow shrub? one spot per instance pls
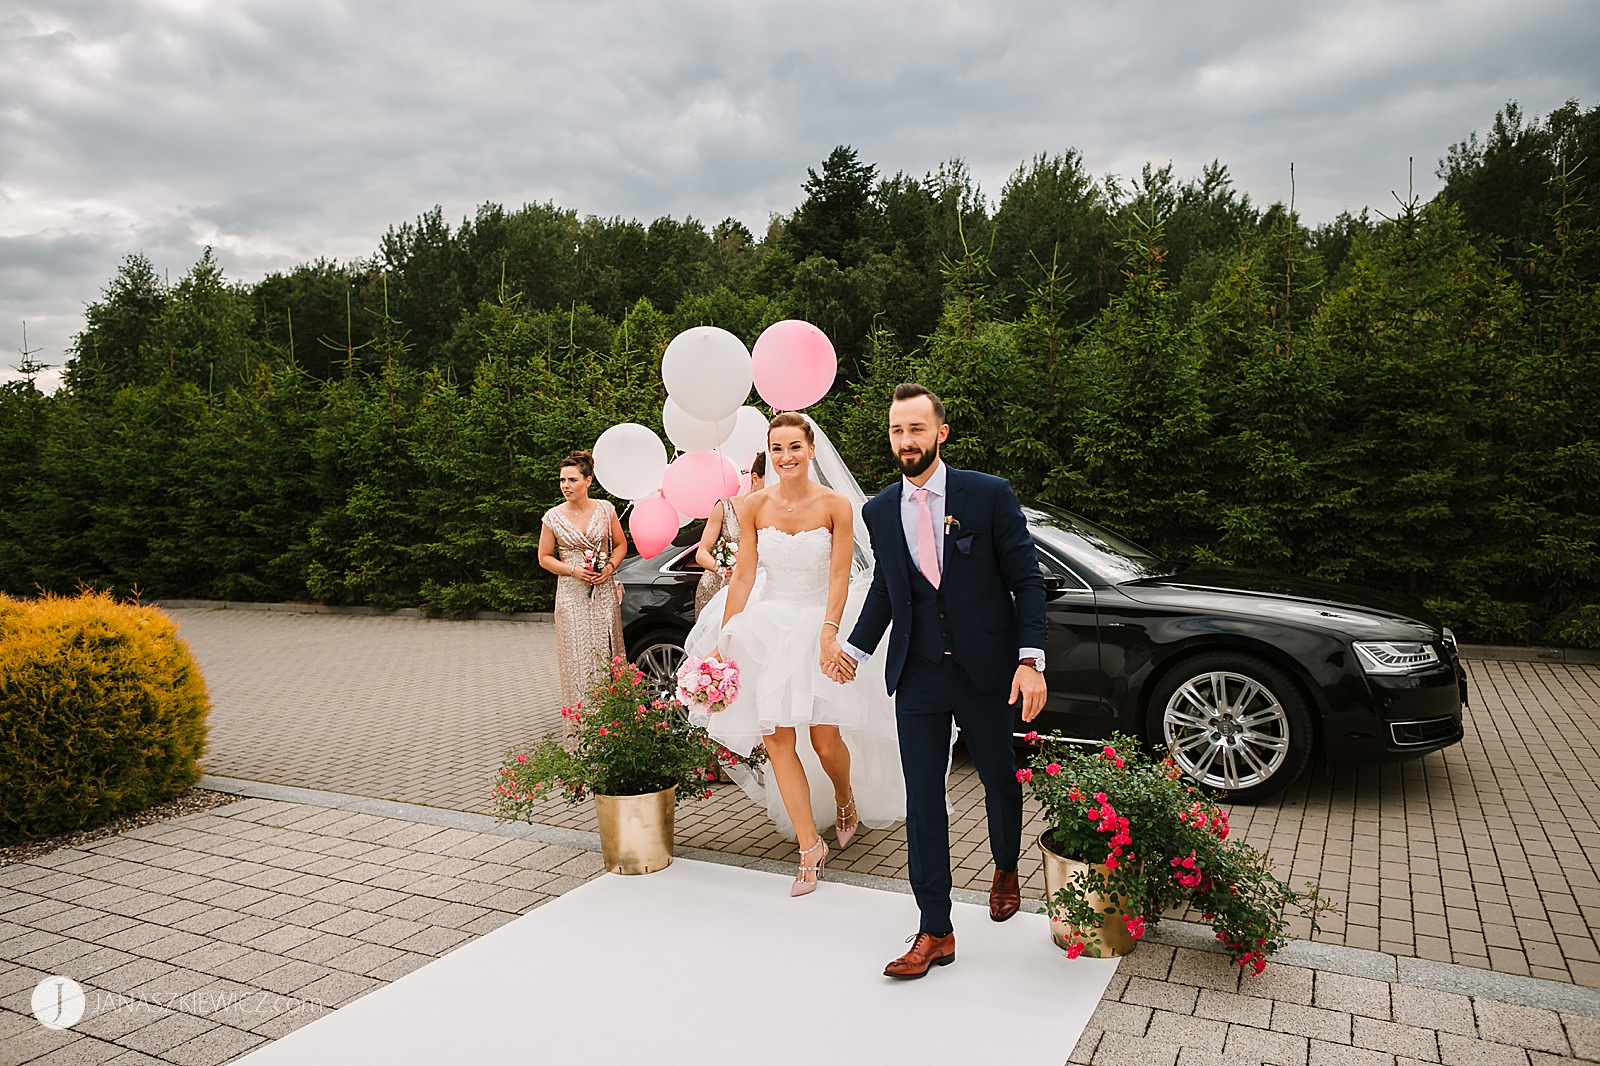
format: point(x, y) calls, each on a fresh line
point(102, 712)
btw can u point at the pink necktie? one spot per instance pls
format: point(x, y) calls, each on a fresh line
point(927, 559)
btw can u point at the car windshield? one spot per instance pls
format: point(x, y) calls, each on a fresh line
point(1112, 558)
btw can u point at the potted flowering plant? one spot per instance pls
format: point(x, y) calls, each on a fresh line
point(1129, 838)
point(635, 753)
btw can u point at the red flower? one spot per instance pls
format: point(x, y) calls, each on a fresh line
point(1032, 737)
point(1074, 949)
point(1024, 775)
point(1053, 768)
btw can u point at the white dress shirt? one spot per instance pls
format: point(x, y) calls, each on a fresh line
point(910, 519)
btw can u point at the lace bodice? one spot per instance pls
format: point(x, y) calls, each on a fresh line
point(796, 563)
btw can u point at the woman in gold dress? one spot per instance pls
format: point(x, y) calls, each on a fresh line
point(721, 537)
point(581, 542)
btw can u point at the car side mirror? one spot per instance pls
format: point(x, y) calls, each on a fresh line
point(1054, 585)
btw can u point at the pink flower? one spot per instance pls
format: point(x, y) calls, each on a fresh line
point(1032, 737)
point(1024, 775)
point(522, 758)
point(1074, 949)
point(1111, 862)
point(603, 732)
point(1135, 924)
point(1053, 768)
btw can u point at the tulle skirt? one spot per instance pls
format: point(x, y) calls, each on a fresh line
point(777, 643)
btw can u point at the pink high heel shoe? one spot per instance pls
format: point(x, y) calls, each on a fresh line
point(801, 886)
point(847, 833)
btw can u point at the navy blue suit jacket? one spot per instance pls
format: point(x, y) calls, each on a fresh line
point(990, 581)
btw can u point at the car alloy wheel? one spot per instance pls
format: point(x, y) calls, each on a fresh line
point(660, 659)
point(1233, 724)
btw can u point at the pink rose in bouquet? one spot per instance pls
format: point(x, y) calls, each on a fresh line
point(708, 684)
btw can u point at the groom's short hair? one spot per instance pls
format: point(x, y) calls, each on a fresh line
point(910, 390)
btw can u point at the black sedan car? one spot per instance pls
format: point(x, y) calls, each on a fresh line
point(1243, 675)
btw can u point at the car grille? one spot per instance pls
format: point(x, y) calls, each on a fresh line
point(1426, 731)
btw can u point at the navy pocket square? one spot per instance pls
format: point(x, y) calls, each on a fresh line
point(964, 543)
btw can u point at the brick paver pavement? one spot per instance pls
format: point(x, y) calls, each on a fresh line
point(203, 937)
point(1485, 854)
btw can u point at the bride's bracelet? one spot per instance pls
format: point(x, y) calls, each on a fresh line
point(832, 623)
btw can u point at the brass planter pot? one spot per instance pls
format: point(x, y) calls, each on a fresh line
point(1110, 938)
point(636, 831)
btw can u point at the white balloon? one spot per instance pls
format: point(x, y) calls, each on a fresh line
point(692, 434)
point(748, 439)
point(707, 372)
point(629, 461)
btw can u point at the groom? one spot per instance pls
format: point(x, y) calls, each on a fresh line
point(957, 577)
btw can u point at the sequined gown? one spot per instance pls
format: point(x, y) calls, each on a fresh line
point(712, 582)
point(588, 628)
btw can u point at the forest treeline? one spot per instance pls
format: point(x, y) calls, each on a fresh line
point(1408, 398)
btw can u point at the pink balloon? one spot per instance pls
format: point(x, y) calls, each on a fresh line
point(653, 523)
point(794, 365)
point(695, 481)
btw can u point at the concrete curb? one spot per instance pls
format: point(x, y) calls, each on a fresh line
point(323, 608)
point(1507, 652)
point(1355, 962)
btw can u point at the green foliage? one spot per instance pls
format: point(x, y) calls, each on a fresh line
point(102, 712)
point(624, 742)
point(1411, 401)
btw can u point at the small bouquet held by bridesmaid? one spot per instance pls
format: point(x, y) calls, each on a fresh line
point(725, 554)
point(707, 684)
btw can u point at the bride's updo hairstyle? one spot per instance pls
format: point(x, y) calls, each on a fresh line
point(580, 459)
point(790, 419)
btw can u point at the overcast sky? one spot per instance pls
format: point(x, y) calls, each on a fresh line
point(279, 131)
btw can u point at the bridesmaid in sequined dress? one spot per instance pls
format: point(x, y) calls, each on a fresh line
point(588, 599)
point(722, 530)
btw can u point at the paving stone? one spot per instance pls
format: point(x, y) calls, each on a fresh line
point(1353, 995)
point(1291, 984)
point(1121, 1017)
point(1206, 969)
point(1083, 1052)
point(222, 1044)
point(1146, 992)
point(337, 989)
point(1259, 1045)
point(1409, 1040)
point(1122, 1049)
point(1436, 1010)
point(1187, 1031)
point(1226, 1007)
point(1324, 1053)
point(84, 1051)
point(1584, 1036)
point(1332, 1026)
point(1529, 1027)
point(1465, 1051)
point(164, 1034)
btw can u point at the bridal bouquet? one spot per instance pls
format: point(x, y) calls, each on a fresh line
point(707, 684)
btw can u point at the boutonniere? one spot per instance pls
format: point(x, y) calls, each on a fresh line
point(951, 523)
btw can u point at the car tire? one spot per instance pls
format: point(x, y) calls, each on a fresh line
point(659, 653)
point(1236, 725)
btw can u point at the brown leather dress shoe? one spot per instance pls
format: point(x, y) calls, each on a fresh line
point(1005, 896)
point(926, 952)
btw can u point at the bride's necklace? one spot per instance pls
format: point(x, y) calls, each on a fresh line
point(786, 506)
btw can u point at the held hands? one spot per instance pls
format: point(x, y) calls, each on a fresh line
point(1029, 684)
point(837, 665)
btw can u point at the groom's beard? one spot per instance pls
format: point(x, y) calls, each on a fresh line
point(914, 465)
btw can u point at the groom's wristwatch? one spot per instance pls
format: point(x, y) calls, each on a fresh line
point(1037, 662)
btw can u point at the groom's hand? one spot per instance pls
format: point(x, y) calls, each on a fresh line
point(1029, 684)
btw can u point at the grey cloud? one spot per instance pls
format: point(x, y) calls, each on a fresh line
point(281, 130)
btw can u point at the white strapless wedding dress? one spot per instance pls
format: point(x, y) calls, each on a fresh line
point(777, 642)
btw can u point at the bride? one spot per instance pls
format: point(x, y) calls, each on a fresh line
point(825, 741)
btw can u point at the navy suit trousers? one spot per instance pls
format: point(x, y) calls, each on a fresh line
point(930, 696)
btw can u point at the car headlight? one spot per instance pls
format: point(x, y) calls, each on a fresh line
point(1394, 656)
